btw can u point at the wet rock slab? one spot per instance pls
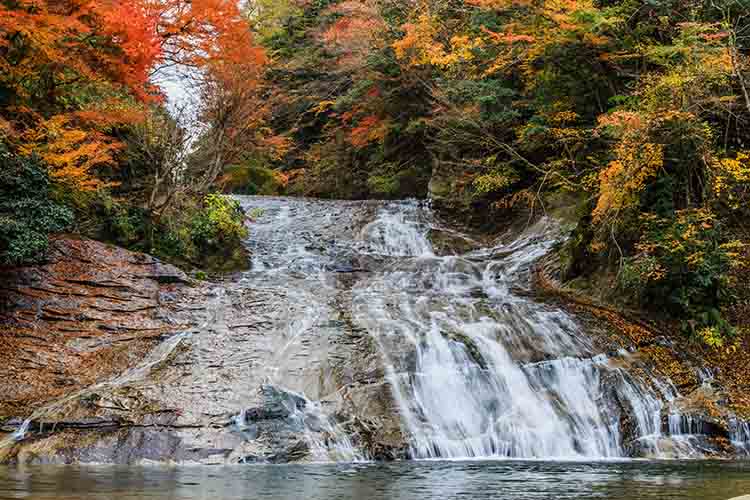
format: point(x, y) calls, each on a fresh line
point(117, 360)
point(352, 336)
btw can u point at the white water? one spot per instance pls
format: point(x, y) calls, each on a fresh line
point(740, 436)
point(479, 371)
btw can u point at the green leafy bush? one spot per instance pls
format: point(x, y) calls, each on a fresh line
point(252, 178)
point(496, 180)
point(383, 184)
point(27, 213)
point(390, 180)
point(220, 220)
point(195, 231)
point(202, 232)
point(115, 221)
point(682, 268)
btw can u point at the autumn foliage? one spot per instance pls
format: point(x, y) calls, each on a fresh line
point(72, 71)
point(638, 110)
point(80, 100)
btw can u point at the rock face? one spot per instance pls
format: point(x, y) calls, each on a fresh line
point(87, 314)
point(364, 330)
point(113, 358)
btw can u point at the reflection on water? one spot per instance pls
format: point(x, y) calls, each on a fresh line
point(416, 480)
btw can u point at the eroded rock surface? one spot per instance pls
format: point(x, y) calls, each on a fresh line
point(113, 358)
point(363, 330)
point(90, 312)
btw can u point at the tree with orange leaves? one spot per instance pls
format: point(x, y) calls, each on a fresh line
point(79, 100)
point(232, 111)
point(59, 58)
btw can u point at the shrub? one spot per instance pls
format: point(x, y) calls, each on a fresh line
point(253, 178)
point(220, 220)
point(115, 221)
point(384, 185)
point(197, 232)
point(495, 181)
point(682, 268)
point(27, 213)
point(390, 180)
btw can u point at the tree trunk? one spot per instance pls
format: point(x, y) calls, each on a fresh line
point(737, 69)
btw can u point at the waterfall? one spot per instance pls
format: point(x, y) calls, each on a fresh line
point(479, 370)
point(740, 436)
point(349, 297)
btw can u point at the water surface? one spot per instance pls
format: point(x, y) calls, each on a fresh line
point(634, 480)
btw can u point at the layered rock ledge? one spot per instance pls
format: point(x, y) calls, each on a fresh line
point(90, 312)
point(111, 356)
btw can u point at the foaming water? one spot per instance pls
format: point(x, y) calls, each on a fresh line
point(397, 233)
point(740, 436)
point(480, 371)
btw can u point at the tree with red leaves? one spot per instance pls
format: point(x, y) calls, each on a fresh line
point(63, 60)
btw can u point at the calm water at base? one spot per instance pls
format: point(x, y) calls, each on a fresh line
point(407, 480)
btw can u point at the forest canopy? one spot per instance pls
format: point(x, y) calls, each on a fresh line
point(636, 109)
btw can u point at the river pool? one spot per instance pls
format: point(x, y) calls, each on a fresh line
point(632, 480)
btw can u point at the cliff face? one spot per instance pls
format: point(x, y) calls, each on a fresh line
point(87, 314)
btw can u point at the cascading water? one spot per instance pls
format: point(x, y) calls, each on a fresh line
point(480, 371)
point(740, 436)
point(476, 368)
